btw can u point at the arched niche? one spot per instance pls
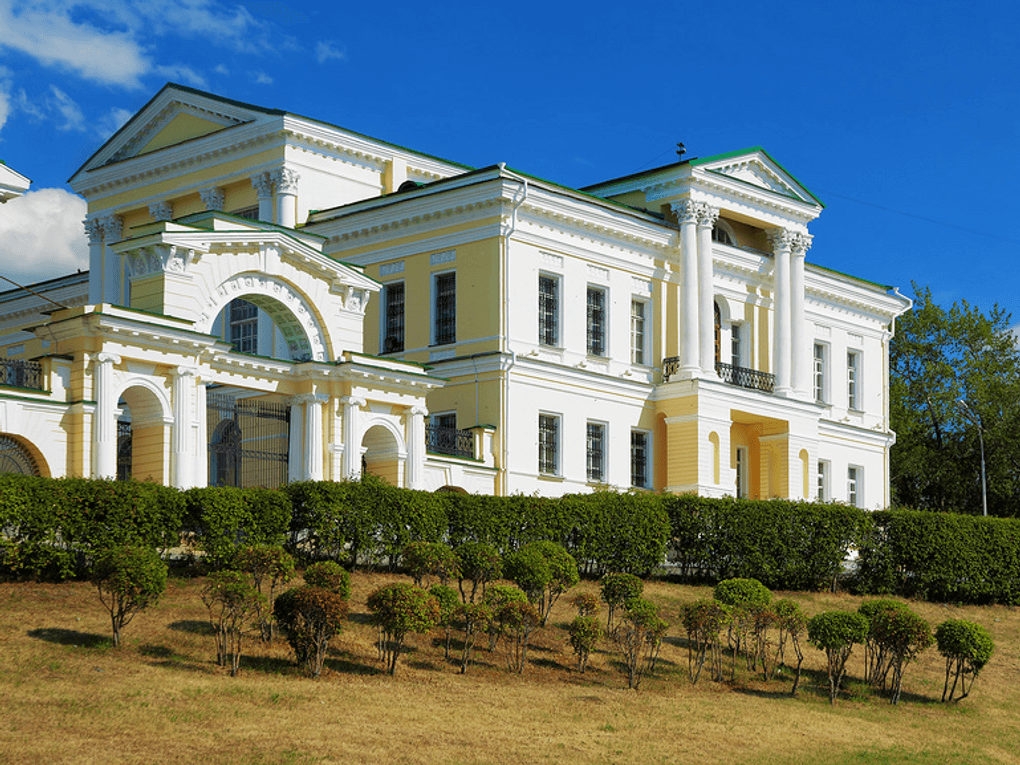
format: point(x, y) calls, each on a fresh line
point(383, 452)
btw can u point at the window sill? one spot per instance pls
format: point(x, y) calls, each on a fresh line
point(550, 477)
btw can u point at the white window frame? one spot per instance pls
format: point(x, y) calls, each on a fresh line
point(596, 473)
point(589, 344)
point(820, 369)
point(557, 446)
point(855, 485)
point(384, 316)
point(854, 379)
point(647, 484)
point(433, 313)
point(738, 343)
point(558, 314)
point(823, 492)
point(741, 486)
point(641, 345)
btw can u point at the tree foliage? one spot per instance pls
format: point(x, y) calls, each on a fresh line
point(617, 589)
point(269, 567)
point(310, 617)
point(129, 580)
point(836, 633)
point(400, 609)
point(544, 570)
point(232, 601)
point(478, 563)
point(937, 357)
point(585, 633)
point(967, 647)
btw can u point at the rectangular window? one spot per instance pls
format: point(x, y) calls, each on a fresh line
point(596, 452)
point(548, 310)
point(393, 335)
point(819, 373)
point(853, 486)
point(447, 420)
point(853, 379)
point(639, 459)
point(548, 444)
point(823, 481)
point(735, 357)
point(741, 486)
point(244, 326)
point(446, 308)
point(638, 310)
point(596, 321)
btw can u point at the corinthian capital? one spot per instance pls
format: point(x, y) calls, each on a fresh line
point(94, 229)
point(285, 180)
point(213, 198)
point(264, 185)
point(686, 210)
point(113, 228)
point(782, 239)
point(161, 210)
point(707, 215)
point(801, 243)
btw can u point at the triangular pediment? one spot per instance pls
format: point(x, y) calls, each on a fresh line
point(174, 115)
point(755, 167)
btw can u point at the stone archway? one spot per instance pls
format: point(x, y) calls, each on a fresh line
point(143, 433)
point(290, 310)
point(18, 457)
point(382, 453)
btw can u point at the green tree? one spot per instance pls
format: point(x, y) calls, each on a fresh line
point(129, 580)
point(423, 559)
point(638, 636)
point(703, 620)
point(269, 567)
point(232, 600)
point(903, 635)
point(836, 633)
point(617, 589)
point(585, 633)
point(937, 357)
point(400, 609)
point(967, 647)
point(544, 570)
point(310, 617)
point(479, 564)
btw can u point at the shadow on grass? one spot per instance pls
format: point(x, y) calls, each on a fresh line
point(61, 636)
point(194, 626)
point(547, 663)
point(349, 666)
point(270, 665)
point(166, 657)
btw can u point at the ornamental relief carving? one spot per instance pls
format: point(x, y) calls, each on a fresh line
point(165, 258)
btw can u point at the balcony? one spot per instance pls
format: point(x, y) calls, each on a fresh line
point(449, 441)
point(742, 377)
point(21, 374)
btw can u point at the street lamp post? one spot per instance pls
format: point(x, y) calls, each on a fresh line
point(974, 417)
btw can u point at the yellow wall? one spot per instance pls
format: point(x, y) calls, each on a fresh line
point(181, 128)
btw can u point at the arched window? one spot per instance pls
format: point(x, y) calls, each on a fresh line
point(718, 333)
point(15, 458)
point(723, 234)
point(124, 446)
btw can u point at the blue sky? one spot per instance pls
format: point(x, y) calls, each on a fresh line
point(901, 116)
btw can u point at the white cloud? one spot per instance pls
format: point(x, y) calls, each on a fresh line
point(222, 70)
point(41, 236)
point(261, 78)
point(51, 37)
point(111, 122)
point(182, 73)
point(70, 113)
point(5, 95)
point(326, 49)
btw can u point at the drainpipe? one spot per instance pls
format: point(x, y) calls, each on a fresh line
point(505, 416)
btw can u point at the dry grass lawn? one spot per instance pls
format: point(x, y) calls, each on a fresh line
point(68, 697)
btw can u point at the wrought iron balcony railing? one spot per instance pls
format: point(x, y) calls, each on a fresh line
point(449, 441)
point(742, 377)
point(746, 378)
point(21, 374)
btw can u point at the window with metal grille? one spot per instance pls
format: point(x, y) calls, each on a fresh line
point(596, 321)
point(244, 326)
point(853, 379)
point(548, 444)
point(638, 459)
point(548, 310)
point(446, 308)
point(637, 332)
point(735, 356)
point(393, 340)
point(596, 451)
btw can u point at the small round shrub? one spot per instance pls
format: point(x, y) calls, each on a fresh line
point(331, 576)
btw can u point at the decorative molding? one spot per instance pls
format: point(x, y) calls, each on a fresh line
point(686, 211)
point(388, 269)
point(438, 258)
point(165, 258)
point(94, 230)
point(782, 239)
point(707, 215)
point(641, 286)
point(598, 272)
point(162, 119)
point(113, 228)
point(264, 184)
point(549, 259)
point(285, 180)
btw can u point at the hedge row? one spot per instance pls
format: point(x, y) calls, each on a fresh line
point(49, 528)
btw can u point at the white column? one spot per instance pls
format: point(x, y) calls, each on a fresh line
point(313, 436)
point(415, 437)
point(707, 217)
point(782, 340)
point(113, 228)
point(264, 186)
point(690, 353)
point(94, 230)
point(352, 447)
point(200, 455)
point(182, 454)
point(104, 421)
point(801, 337)
point(286, 182)
point(296, 464)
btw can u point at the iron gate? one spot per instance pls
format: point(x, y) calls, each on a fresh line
point(249, 442)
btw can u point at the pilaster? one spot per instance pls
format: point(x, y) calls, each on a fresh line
point(707, 217)
point(687, 318)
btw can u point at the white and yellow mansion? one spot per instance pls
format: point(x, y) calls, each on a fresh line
point(273, 298)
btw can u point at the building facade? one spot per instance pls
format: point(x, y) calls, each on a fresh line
point(445, 326)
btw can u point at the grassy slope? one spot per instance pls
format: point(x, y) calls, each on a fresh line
point(69, 697)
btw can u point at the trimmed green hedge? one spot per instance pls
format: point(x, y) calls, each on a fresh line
point(50, 528)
